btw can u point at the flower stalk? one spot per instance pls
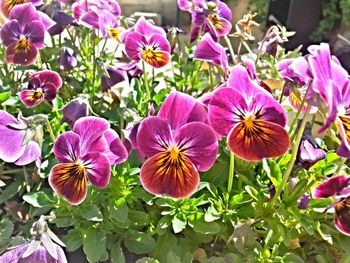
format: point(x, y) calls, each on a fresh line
point(231, 172)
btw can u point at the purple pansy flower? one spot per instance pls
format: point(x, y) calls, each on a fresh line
point(85, 153)
point(338, 187)
point(75, 110)
point(8, 5)
point(148, 42)
point(120, 73)
point(250, 117)
point(309, 152)
point(210, 51)
point(178, 143)
point(42, 85)
point(17, 144)
point(24, 34)
point(68, 59)
point(211, 16)
point(39, 255)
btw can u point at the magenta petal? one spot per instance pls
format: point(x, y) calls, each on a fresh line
point(50, 92)
point(185, 5)
point(91, 130)
point(199, 18)
point(35, 33)
point(48, 76)
point(239, 79)
point(159, 42)
point(147, 29)
point(331, 187)
point(46, 20)
point(11, 143)
point(198, 142)
point(9, 32)
point(31, 153)
point(67, 147)
point(225, 109)
point(154, 136)
point(24, 14)
point(180, 108)
point(90, 19)
point(343, 150)
point(223, 29)
point(133, 45)
point(98, 169)
point(23, 57)
point(117, 152)
point(29, 99)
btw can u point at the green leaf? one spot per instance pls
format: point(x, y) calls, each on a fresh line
point(39, 199)
point(73, 240)
point(147, 260)
point(119, 211)
point(165, 244)
point(117, 254)
point(94, 244)
point(201, 226)
point(92, 213)
point(10, 191)
point(179, 223)
point(138, 219)
point(163, 224)
point(4, 96)
point(138, 242)
point(173, 258)
point(6, 228)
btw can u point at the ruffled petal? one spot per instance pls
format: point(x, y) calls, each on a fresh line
point(47, 76)
point(98, 169)
point(69, 181)
point(23, 56)
point(147, 29)
point(9, 32)
point(174, 176)
point(331, 187)
point(256, 140)
point(226, 108)
point(24, 14)
point(154, 136)
point(91, 130)
point(179, 108)
point(31, 153)
point(67, 147)
point(155, 58)
point(31, 98)
point(117, 152)
point(198, 142)
point(134, 42)
point(342, 216)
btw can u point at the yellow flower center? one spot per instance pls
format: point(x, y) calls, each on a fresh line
point(215, 21)
point(23, 45)
point(174, 153)
point(249, 121)
point(38, 94)
point(114, 33)
point(149, 53)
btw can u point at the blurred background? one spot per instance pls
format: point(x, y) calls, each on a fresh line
point(314, 21)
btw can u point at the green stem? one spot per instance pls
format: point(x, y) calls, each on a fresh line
point(145, 81)
point(231, 172)
point(210, 76)
point(229, 45)
point(299, 111)
point(49, 128)
point(293, 157)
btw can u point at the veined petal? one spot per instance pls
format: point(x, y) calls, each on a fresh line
point(331, 187)
point(198, 142)
point(342, 216)
point(31, 98)
point(156, 58)
point(117, 152)
point(134, 42)
point(69, 180)
point(344, 129)
point(226, 108)
point(219, 25)
point(31, 153)
point(98, 169)
point(91, 130)
point(67, 147)
point(170, 173)
point(254, 140)
point(179, 108)
point(147, 29)
point(21, 53)
point(154, 136)
point(47, 76)
point(159, 42)
point(35, 32)
point(9, 32)
point(24, 13)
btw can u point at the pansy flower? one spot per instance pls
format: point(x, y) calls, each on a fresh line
point(42, 85)
point(68, 59)
point(337, 187)
point(24, 34)
point(74, 110)
point(211, 16)
point(85, 153)
point(178, 143)
point(210, 51)
point(148, 43)
point(8, 5)
point(250, 117)
point(19, 140)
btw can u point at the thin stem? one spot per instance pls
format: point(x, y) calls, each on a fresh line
point(231, 172)
point(49, 128)
point(340, 166)
point(210, 76)
point(293, 158)
point(229, 45)
point(145, 81)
